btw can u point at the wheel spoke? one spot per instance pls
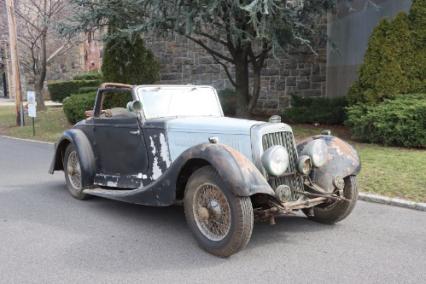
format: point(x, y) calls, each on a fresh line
point(218, 223)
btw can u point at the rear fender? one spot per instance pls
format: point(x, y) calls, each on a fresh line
point(84, 152)
point(343, 161)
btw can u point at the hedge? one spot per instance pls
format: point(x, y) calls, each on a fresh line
point(397, 122)
point(88, 76)
point(59, 90)
point(316, 110)
point(75, 106)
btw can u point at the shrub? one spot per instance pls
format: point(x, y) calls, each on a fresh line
point(128, 61)
point(397, 122)
point(75, 106)
point(395, 60)
point(316, 110)
point(228, 100)
point(59, 90)
point(88, 76)
point(83, 90)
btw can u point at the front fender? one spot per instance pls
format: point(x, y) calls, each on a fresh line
point(84, 152)
point(237, 172)
point(343, 161)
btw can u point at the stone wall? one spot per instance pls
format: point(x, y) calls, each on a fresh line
point(298, 73)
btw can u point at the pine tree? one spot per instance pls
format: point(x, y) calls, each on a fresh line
point(126, 60)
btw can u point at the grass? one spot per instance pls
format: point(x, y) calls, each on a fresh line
point(49, 124)
point(390, 171)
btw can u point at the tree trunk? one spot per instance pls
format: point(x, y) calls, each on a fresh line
point(41, 76)
point(256, 89)
point(38, 88)
point(242, 84)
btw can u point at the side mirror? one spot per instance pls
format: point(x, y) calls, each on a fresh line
point(134, 106)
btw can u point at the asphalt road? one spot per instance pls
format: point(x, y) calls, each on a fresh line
point(46, 236)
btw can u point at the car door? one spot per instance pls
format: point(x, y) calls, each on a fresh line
point(121, 152)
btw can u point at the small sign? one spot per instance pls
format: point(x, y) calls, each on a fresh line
point(32, 104)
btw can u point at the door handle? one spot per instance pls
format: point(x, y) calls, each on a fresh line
point(136, 132)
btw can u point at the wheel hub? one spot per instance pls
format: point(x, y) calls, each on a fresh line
point(212, 212)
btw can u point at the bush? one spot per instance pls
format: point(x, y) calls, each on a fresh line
point(395, 60)
point(128, 61)
point(397, 122)
point(228, 100)
point(316, 110)
point(88, 76)
point(59, 90)
point(84, 90)
point(75, 106)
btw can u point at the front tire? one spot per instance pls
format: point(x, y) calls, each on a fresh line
point(73, 174)
point(221, 222)
point(339, 210)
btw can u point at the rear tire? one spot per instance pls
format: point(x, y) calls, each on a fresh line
point(339, 210)
point(221, 222)
point(73, 174)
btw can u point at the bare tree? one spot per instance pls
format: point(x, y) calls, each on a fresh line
point(39, 40)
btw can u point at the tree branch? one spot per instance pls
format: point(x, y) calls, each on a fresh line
point(209, 50)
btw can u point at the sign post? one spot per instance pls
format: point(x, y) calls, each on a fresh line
point(32, 107)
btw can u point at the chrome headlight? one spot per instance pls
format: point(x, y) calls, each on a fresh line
point(318, 151)
point(304, 164)
point(275, 160)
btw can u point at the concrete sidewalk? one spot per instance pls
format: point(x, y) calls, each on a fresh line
point(11, 102)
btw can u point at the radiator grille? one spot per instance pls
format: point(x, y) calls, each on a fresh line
point(294, 181)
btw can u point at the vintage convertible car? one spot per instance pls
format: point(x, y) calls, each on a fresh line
point(160, 145)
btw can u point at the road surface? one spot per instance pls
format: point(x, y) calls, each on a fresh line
point(46, 236)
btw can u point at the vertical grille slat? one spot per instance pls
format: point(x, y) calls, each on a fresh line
point(285, 138)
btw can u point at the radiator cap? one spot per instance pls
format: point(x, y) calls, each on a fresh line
point(275, 119)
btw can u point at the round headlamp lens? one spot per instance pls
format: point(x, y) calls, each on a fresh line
point(318, 151)
point(304, 164)
point(275, 160)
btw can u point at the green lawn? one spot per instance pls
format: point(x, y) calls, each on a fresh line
point(390, 171)
point(49, 124)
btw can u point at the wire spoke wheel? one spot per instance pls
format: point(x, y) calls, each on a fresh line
point(73, 173)
point(220, 221)
point(212, 212)
point(74, 170)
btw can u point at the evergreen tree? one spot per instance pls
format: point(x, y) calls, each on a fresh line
point(126, 60)
point(395, 60)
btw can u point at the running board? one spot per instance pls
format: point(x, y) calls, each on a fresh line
point(141, 196)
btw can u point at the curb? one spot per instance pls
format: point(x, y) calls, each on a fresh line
point(370, 197)
point(26, 140)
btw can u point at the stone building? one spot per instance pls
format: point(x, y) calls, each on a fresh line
point(301, 73)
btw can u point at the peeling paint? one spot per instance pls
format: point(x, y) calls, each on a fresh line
point(112, 183)
point(164, 150)
point(154, 150)
point(156, 171)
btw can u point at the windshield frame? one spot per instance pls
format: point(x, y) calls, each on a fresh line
point(138, 95)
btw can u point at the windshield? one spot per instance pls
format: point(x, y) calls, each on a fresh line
point(164, 101)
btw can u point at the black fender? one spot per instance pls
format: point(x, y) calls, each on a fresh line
point(343, 161)
point(84, 152)
point(237, 172)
